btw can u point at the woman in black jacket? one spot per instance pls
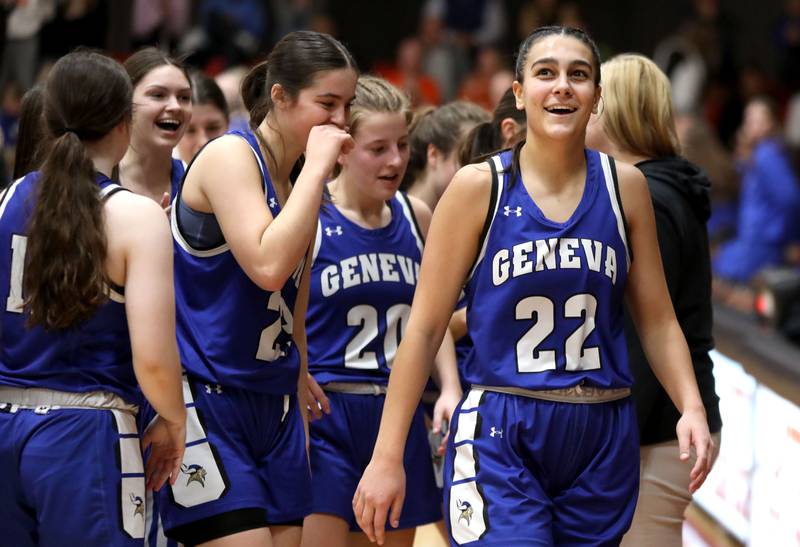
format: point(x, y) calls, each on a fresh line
point(635, 125)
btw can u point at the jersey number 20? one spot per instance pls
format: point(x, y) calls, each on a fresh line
point(366, 317)
point(542, 309)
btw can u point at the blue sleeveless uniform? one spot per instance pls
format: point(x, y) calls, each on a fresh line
point(245, 464)
point(545, 312)
point(175, 178)
point(69, 449)
point(362, 285)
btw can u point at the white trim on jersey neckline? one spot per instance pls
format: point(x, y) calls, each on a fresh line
point(615, 205)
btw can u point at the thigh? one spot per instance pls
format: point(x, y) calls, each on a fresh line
point(83, 470)
point(218, 493)
point(596, 499)
point(663, 496)
point(323, 529)
point(491, 495)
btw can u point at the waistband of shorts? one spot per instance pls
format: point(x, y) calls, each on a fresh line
point(574, 394)
point(43, 400)
point(355, 388)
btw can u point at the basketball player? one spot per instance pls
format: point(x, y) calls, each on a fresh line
point(87, 270)
point(209, 117)
point(241, 295)
point(162, 98)
point(543, 448)
point(363, 274)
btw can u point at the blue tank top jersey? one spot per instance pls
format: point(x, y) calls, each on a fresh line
point(230, 331)
point(545, 299)
point(94, 355)
point(362, 285)
point(176, 177)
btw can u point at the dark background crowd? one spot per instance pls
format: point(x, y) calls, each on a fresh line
point(734, 68)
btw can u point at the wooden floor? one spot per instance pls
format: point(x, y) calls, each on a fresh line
point(429, 536)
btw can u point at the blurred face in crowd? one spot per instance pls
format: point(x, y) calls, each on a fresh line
point(162, 108)
point(207, 122)
point(759, 122)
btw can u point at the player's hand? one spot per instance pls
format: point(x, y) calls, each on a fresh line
point(380, 493)
point(325, 144)
point(692, 430)
point(443, 412)
point(167, 441)
point(315, 400)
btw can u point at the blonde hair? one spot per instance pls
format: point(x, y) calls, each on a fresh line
point(636, 109)
point(374, 95)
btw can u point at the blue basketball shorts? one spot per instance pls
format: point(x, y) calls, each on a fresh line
point(341, 448)
point(70, 477)
point(528, 472)
point(245, 465)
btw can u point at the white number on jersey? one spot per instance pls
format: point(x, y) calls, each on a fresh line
point(268, 347)
point(19, 245)
point(366, 317)
point(542, 310)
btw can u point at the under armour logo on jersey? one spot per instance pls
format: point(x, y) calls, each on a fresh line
point(273, 203)
point(494, 432)
point(508, 211)
point(195, 472)
point(330, 231)
point(138, 504)
point(466, 511)
point(215, 388)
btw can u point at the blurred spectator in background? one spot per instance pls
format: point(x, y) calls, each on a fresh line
point(504, 130)
point(788, 43)
point(228, 32)
point(21, 51)
point(407, 74)
point(476, 87)
point(443, 59)
point(701, 146)
point(769, 201)
point(161, 22)
point(75, 23)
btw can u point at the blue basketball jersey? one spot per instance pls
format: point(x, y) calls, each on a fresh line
point(230, 331)
point(545, 299)
point(175, 178)
point(362, 285)
point(90, 356)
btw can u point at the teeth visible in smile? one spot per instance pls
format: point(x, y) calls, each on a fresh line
point(169, 124)
point(560, 109)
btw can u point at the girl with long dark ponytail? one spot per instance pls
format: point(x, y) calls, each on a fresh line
point(243, 231)
point(89, 315)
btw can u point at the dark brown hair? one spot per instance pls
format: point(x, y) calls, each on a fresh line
point(86, 95)
point(522, 57)
point(141, 63)
point(486, 139)
point(31, 133)
point(293, 63)
point(206, 91)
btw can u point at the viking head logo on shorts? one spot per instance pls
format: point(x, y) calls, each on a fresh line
point(466, 510)
point(195, 472)
point(138, 504)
